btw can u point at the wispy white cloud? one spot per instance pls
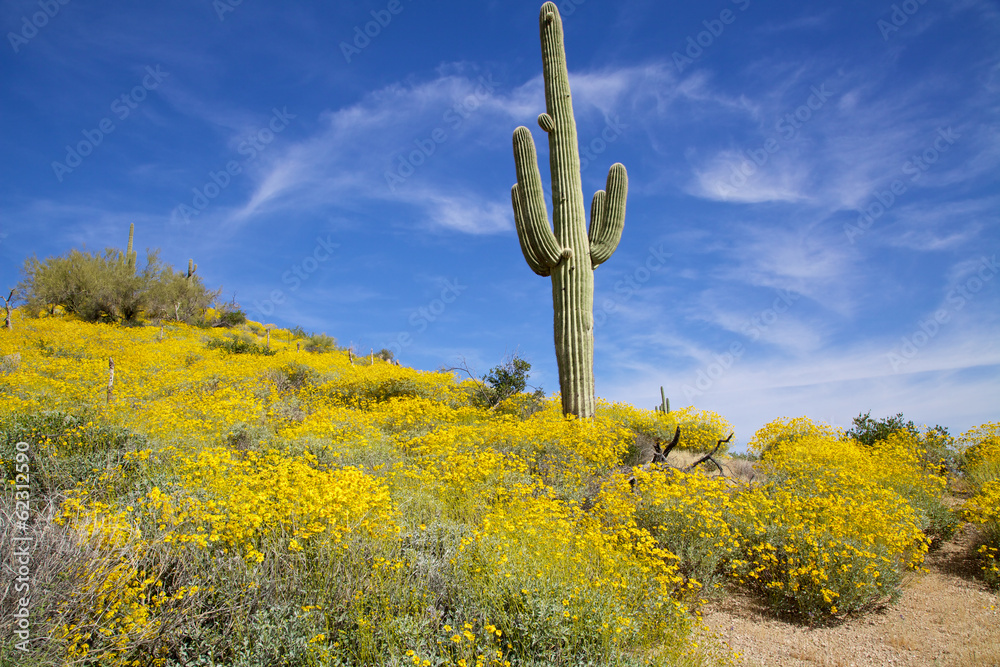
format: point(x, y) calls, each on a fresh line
point(731, 176)
point(830, 384)
point(834, 151)
point(808, 22)
point(370, 151)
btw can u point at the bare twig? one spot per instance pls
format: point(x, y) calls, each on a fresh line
point(710, 457)
point(481, 389)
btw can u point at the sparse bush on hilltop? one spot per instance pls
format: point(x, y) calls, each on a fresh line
point(936, 443)
point(228, 315)
point(870, 431)
point(107, 288)
point(320, 343)
point(174, 295)
point(502, 388)
point(94, 287)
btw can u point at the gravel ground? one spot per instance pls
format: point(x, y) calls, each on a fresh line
point(944, 617)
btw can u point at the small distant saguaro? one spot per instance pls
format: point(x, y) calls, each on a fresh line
point(129, 257)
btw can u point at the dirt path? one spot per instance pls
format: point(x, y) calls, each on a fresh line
point(943, 618)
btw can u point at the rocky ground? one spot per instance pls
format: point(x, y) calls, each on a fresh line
point(945, 617)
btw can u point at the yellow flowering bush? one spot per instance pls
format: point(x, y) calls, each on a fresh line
point(835, 529)
point(115, 610)
point(243, 501)
point(981, 450)
point(701, 430)
point(689, 515)
point(307, 508)
point(553, 578)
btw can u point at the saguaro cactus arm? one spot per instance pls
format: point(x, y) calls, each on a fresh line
point(607, 215)
point(540, 247)
point(527, 249)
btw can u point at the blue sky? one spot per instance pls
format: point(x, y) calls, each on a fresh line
point(812, 220)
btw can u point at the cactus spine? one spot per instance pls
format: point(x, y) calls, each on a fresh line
point(565, 251)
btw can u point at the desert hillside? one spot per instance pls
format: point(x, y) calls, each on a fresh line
point(254, 496)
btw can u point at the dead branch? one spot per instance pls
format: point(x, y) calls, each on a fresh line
point(660, 455)
point(711, 457)
point(480, 389)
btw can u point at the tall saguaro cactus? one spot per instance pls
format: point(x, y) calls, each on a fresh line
point(566, 251)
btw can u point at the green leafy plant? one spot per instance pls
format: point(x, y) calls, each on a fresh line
point(870, 431)
point(502, 384)
point(320, 343)
point(239, 344)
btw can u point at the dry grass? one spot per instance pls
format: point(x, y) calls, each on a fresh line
point(60, 558)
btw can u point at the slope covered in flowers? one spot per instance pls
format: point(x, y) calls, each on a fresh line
point(300, 508)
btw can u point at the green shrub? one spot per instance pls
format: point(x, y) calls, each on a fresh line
point(104, 288)
point(239, 344)
point(175, 296)
point(231, 318)
point(870, 431)
point(320, 343)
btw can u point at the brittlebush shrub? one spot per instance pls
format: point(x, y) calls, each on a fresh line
point(701, 430)
point(556, 582)
point(835, 531)
point(981, 453)
point(688, 514)
point(376, 516)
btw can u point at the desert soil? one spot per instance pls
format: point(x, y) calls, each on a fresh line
point(945, 617)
